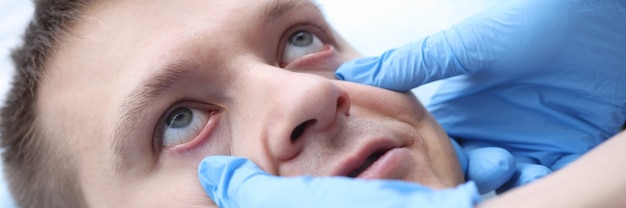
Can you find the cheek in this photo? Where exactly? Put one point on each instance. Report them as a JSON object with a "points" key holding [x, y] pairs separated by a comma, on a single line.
{"points": [[405, 106], [177, 188], [246, 139], [440, 153], [329, 74]]}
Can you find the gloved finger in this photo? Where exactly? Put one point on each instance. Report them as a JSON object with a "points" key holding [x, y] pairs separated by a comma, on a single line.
{"points": [[524, 174], [400, 69], [404, 68], [361, 70], [237, 182], [490, 167], [496, 39], [499, 37]]}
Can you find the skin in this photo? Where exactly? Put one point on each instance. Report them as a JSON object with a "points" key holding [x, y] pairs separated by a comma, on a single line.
{"points": [[235, 79]]}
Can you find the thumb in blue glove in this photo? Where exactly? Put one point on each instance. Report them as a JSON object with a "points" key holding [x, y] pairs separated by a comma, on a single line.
{"points": [[494, 168], [488, 167], [237, 182]]}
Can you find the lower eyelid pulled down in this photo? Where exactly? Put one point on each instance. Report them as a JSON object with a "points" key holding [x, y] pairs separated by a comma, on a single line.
{"points": [[184, 138], [293, 53], [322, 38], [173, 135]]}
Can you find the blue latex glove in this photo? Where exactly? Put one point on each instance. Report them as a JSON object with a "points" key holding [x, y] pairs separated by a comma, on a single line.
{"points": [[515, 35], [237, 182], [489, 168], [543, 79], [494, 168]]}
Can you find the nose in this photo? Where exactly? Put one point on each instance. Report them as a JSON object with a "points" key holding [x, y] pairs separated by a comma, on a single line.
{"points": [[306, 107]]}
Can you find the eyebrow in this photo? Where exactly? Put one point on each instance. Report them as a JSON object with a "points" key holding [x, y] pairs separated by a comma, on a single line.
{"points": [[134, 104], [278, 8]]}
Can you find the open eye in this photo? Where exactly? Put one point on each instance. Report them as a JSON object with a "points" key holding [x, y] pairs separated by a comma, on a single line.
{"points": [[183, 125], [299, 44]]}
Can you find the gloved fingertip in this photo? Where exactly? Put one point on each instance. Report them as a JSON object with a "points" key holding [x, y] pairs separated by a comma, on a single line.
{"points": [[493, 156], [214, 170], [233, 181], [208, 167], [359, 70], [490, 167], [220, 169], [339, 75]]}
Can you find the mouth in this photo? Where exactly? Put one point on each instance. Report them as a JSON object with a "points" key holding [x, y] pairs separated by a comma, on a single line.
{"points": [[375, 160], [368, 162]]}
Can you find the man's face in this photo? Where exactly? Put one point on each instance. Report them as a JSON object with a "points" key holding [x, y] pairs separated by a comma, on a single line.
{"points": [[143, 90]]}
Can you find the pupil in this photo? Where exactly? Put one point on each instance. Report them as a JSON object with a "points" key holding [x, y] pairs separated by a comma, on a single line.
{"points": [[180, 118], [301, 38]]}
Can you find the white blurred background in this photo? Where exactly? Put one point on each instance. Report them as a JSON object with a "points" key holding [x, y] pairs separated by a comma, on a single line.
{"points": [[371, 26]]}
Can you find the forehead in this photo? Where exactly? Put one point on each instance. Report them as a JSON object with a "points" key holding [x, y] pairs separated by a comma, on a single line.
{"points": [[138, 25], [121, 43]]}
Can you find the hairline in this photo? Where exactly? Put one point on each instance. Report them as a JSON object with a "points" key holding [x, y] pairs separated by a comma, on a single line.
{"points": [[39, 172]]}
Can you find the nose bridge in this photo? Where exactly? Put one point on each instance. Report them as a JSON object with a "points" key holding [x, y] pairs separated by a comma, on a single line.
{"points": [[303, 106]]}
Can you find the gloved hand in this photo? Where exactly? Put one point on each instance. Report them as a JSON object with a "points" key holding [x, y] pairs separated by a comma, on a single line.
{"points": [[514, 35], [494, 168], [237, 182], [488, 167], [572, 49]]}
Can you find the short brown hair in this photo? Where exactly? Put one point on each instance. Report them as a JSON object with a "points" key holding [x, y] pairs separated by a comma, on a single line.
{"points": [[37, 175]]}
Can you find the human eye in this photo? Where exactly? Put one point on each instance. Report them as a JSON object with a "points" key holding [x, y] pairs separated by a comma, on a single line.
{"points": [[300, 43], [182, 125]]}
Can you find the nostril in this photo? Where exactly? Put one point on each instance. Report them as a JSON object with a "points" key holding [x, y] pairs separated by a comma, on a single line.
{"points": [[340, 102], [299, 130], [343, 104]]}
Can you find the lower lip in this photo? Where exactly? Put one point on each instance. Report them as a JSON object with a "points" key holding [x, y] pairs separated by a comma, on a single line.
{"points": [[387, 165]]}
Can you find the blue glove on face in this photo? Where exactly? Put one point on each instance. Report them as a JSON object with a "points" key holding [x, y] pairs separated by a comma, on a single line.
{"points": [[237, 182], [542, 79]]}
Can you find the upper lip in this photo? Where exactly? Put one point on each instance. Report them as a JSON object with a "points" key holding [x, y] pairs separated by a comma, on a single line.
{"points": [[356, 160]]}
